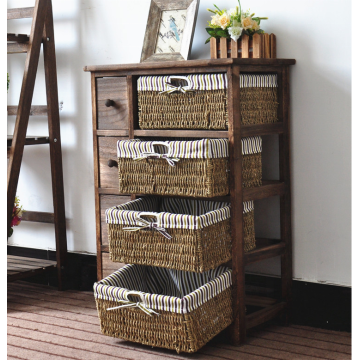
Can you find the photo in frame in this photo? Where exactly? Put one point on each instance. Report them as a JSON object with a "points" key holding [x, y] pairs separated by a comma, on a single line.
{"points": [[169, 30]]}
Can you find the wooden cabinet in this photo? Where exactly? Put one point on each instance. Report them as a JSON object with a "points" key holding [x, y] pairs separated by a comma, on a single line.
{"points": [[114, 101], [112, 115]]}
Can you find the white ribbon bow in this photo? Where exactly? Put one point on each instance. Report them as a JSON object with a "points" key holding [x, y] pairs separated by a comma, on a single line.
{"points": [[148, 225], [171, 88], [139, 305], [145, 155]]}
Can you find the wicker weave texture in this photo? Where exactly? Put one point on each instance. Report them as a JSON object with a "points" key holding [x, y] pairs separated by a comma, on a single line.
{"points": [[190, 177], [252, 170], [180, 332], [189, 250], [258, 105], [191, 110]]}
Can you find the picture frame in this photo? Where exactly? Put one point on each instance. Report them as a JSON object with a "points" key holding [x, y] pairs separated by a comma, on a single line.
{"points": [[170, 30]]}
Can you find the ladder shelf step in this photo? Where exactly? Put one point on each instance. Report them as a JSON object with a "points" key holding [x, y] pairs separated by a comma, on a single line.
{"points": [[36, 110], [30, 140], [38, 216], [259, 317], [17, 48], [19, 267], [20, 13], [20, 38]]}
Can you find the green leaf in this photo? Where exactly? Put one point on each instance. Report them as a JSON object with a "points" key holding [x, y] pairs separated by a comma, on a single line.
{"points": [[222, 33], [257, 20], [211, 31], [217, 8], [208, 40]]}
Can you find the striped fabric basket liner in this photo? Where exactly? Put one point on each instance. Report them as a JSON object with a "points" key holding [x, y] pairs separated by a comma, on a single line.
{"points": [[197, 168], [183, 102], [182, 234], [164, 308], [258, 99]]}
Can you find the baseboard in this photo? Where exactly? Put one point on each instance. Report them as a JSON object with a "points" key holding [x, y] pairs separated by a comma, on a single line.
{"points": [[317, 305]]}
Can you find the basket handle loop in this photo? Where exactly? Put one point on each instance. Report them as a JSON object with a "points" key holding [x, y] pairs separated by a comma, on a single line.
{"points": [[171, 88], [181, 78], [163, 143], [134, 293], [149, 213]]}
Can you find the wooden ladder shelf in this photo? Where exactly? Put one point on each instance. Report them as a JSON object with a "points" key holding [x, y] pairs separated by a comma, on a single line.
{"points": [[42, 32]]}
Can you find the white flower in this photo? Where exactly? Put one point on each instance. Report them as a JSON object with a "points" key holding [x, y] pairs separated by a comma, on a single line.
{"points": [[224, 20], [235, 32], [215, 20]]}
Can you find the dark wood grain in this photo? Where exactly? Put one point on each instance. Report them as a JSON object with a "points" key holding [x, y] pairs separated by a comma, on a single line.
{"points": [[119, 133], [21, 267], [285, 200], [189, 64], [266, 248], [96, 176], [268, 189], [133, 105], [112, 117], [36, 110], [26, 94], [263, 315], [21, 38], [55, 144], [106, 202], [108, 266], [260, 301], [235, 156], [264, 252], [30, 140], [38, 216], [20, 13], [108, 176]]}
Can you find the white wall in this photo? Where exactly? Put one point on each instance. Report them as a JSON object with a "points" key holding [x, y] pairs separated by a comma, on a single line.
{"points": [[89, 32]]}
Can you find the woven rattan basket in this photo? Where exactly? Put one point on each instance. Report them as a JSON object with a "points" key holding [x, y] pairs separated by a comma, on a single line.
{"points": [[194, 102], [182, 234], [258, 99], [189, 168], [164, 308]]}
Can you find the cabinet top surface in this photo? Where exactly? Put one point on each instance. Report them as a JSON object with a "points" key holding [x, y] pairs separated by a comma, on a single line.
{"points": [[190, 64]]}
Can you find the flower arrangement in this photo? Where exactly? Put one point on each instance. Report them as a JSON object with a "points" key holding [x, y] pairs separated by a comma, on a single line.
{"points": [[233, 23], [16, 216]]}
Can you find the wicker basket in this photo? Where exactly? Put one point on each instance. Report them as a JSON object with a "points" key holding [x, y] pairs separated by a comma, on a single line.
{"points": [[189, 235], [194, 102], [164, 308], [189, 168], [258, 99]]}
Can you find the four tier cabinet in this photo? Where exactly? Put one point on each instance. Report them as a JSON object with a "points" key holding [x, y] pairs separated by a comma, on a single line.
{"points": [[115, 115]]}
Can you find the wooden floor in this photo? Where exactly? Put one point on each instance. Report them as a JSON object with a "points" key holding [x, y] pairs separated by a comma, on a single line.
{"points": [[46, 324]]}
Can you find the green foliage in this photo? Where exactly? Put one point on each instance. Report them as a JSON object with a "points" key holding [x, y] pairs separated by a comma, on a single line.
{"points": [[208, 40], [217, 33]]}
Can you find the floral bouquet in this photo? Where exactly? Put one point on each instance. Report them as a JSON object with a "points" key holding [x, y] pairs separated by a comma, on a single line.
{"points": [[233, 23], [16, 216]]}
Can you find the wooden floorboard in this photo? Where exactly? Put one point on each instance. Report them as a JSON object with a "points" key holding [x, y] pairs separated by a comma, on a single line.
{"points": [[44, 323]]}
